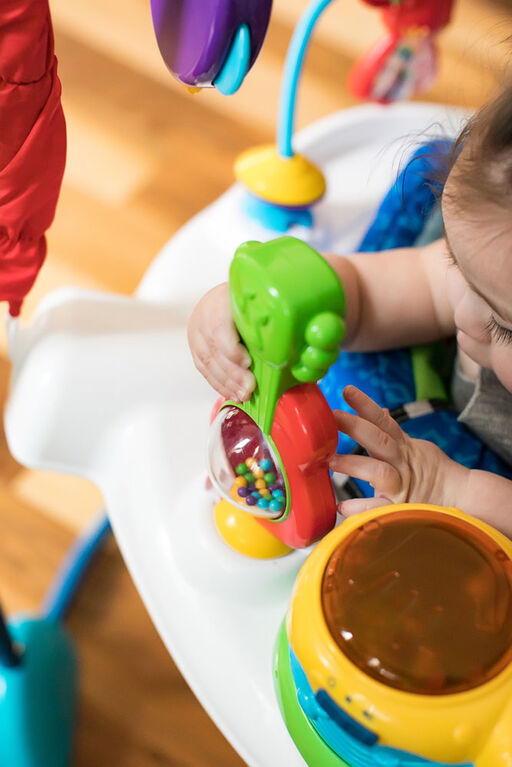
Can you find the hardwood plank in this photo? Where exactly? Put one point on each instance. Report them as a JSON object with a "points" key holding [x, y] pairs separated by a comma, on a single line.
{"points": [[149, 716], [31, 548], [69, 500]]}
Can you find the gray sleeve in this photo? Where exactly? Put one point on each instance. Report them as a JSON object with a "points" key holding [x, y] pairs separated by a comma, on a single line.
{"points": [[488, 413]]}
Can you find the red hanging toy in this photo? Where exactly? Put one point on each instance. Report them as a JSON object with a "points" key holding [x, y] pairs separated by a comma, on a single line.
{"points": [[405, 61], [32, 146]]}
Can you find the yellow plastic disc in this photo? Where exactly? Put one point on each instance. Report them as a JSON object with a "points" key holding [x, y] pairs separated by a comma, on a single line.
{"points": [[244, 534], [291, 181]]}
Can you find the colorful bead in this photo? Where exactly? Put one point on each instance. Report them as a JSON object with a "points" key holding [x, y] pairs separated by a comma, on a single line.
{"points": [[250, 462], [255, 494], [273, 487], [251, 487], [249, 477], [240, 482], [270, 477], [241, 468], [260, 483], [258, 473], [265, 464], [277, 493], [242, 492], [275, 505], [250, 500], [263, 503]]}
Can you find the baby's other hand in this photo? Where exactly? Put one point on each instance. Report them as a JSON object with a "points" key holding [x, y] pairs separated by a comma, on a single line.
{"points": [[216, 347], [399, 468]]}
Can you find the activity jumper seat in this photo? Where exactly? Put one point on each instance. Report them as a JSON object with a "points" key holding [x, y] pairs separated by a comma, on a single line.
{"points": [[387, 656]]}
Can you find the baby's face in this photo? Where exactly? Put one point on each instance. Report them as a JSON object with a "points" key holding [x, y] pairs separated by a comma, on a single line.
{"points": [[480, 284]]}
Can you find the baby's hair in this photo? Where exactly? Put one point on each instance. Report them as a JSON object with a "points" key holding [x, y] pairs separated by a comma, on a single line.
{"points": [[483, 156]]}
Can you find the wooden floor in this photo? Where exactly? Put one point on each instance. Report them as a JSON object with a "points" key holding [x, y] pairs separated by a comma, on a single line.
{"points": [[144, 156]]}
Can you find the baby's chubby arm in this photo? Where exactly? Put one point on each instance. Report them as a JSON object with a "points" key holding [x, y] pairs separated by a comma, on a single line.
{"points": [[488, 497], [393, 298], [402, 469]]}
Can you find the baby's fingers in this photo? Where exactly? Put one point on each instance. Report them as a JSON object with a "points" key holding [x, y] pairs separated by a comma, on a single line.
{"points": [[215, 321], [376, 441], [226, 338], [358, 505], [216, 377], [381, 475], [228, 378], [370, 411]]}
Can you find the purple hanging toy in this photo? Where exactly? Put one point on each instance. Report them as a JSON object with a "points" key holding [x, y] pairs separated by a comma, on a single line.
{"points": [[208, 42]]}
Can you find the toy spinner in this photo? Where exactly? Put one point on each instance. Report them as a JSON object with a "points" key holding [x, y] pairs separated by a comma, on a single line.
{"points": [[269, 456]]}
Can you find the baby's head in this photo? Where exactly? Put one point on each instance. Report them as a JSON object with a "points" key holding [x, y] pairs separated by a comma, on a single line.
{"points": [[477, 210]]}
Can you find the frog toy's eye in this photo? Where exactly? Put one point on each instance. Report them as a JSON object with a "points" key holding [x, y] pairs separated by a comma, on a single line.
{"points": [[207, 43]]}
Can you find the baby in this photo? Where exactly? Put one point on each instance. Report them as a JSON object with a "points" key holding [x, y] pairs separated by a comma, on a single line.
{"points": [[461, 284]]}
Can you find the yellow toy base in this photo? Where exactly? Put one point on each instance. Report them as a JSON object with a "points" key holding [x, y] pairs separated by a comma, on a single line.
{"points": [[243, 533], [290, 181]]}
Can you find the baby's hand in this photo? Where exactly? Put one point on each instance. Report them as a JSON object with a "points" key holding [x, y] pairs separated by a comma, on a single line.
{"points": [[400, 469], [216, 347]]}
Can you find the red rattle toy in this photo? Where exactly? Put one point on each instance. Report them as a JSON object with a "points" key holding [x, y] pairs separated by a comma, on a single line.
{"points": [[269, 456], [405, 61]]}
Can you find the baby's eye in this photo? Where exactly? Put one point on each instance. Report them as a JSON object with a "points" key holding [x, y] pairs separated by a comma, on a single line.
{"points": [[498, 333]]}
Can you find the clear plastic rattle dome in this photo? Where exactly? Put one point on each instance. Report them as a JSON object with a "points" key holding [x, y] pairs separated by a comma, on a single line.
{"points": [[243, 466]]}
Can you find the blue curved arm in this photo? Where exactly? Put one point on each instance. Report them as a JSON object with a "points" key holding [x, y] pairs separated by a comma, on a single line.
{"points": [[292, 69], [73, 568]]}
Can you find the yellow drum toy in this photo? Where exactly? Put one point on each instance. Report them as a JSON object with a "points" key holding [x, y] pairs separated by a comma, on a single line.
{"points": [[397, 648]]}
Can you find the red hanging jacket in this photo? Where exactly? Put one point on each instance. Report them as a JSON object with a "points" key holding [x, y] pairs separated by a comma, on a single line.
{"points": [[32, 143]]}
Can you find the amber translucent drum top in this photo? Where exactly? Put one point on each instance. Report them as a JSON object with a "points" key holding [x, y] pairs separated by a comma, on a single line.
{"points": [[421, 601]]}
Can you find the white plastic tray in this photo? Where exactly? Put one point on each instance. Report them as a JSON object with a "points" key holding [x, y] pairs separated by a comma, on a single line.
{"points": [[103, 386]]}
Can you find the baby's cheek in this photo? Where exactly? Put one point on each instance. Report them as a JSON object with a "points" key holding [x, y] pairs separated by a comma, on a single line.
{"points": [[465, 314], [501, 363], [472, 317], [477, 351], [455, 286]]}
